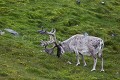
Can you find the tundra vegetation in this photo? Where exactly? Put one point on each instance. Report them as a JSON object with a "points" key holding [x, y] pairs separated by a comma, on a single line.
{"points": [[22, 58]]}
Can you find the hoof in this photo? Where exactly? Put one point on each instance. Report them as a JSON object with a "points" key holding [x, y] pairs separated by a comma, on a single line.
{"points": [[69, 62], [85, 65], [93, 69], [78, 64], [102, 70]]}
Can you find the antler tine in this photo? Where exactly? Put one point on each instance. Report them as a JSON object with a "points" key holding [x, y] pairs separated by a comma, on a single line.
{"points": [[43, 31], [52, 32], [49, 33]]}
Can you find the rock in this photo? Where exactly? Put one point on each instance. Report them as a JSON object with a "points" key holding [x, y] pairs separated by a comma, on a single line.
{"points": [[12, 32], [103, 2], [2, 33], [113, 34], [69, 62]]}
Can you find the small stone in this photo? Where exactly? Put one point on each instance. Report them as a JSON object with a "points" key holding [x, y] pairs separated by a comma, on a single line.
{"points": [[2, 33], [69, 62], [12, 32], [102, 2]]}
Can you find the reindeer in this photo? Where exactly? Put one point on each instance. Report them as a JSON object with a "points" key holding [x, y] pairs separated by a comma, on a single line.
{"points": [[80, 45]]}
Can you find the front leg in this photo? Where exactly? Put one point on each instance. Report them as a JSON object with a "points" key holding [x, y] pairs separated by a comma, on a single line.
{"points": [[83, 60], [77, 57]]}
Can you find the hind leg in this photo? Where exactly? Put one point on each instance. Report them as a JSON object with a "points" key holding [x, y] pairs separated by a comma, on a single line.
{"points": [[83, 59], [95, 59], [101, 57], [77, 57], [102, 65]]}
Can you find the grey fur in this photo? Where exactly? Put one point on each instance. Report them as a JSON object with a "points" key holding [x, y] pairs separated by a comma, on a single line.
{"points": [[84, 45]]}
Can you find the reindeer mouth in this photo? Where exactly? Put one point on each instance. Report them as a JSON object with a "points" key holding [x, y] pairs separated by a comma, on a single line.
{"points": [[49, 50]]}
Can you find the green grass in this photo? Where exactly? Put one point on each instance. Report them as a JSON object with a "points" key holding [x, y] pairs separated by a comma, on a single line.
{"points": [[21, 57]]}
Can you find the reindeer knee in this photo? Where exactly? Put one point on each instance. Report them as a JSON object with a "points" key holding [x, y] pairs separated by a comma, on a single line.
{"points": [[100, 56]]}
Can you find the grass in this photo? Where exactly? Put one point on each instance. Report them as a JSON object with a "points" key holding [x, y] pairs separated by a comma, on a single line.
{"points": [[21, 57]]}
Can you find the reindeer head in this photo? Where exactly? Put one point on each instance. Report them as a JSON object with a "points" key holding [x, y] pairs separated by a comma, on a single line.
{"points": [[52, 40]]}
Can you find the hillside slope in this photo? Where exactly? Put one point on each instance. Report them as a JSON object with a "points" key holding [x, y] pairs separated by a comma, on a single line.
{"points": [[21, 57]]}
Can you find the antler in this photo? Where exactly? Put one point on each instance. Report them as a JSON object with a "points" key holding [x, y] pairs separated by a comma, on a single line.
{"points": [[51, 34], [52, 40], [43, 31], [49, 50], [45, 43]]}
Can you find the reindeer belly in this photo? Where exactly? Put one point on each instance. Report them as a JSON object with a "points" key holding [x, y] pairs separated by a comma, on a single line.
{"points": [[84, 51]]}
